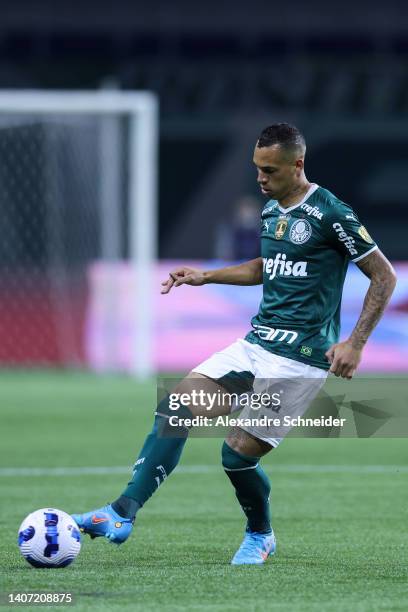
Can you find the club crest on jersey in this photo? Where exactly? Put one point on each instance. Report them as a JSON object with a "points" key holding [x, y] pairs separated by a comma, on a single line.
{"points": [[365, 235], [281, 226], [300, 231]]}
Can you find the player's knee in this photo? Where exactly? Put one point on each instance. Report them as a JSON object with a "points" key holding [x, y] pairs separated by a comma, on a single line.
{"points": [[232, 460]]}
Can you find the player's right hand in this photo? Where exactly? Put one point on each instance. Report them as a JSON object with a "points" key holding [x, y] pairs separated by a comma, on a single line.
{"points": [[183, 276]]}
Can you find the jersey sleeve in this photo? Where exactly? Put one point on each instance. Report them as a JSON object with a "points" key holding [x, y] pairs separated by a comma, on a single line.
{"points": [[347, 234]]}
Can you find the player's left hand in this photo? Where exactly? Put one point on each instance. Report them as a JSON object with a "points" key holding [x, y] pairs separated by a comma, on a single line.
{"points": [[344, 359]]}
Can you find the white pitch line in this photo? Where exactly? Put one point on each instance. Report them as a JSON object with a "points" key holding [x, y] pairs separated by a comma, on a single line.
{"points": [[206, 469]]}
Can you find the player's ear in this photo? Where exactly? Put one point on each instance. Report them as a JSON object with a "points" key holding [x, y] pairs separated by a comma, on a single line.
{"points": [[299, 165]]}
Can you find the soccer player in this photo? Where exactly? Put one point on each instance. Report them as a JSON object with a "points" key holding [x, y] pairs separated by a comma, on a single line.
{"points": [[308, 237]]}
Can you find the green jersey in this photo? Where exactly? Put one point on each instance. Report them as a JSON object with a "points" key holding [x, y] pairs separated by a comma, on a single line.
{"points": [[305, 250]]}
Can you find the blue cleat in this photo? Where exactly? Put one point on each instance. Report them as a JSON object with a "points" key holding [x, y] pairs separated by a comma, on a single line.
{"points": [[255, 548], [105, 522]]}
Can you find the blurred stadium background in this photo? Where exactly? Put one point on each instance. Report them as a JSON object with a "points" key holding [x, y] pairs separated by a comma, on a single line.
{"points": [[66, 254], [90, 224]]}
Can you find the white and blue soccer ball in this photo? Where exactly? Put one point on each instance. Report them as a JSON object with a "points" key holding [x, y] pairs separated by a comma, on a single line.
{"points": [[49, 538]]}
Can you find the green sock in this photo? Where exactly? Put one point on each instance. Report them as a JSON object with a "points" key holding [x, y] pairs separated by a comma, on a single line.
{"points": [[157, 459], [252, 487]]}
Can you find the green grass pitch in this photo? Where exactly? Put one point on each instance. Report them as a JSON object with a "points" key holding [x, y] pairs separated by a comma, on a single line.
{"points": [[341, 524]]}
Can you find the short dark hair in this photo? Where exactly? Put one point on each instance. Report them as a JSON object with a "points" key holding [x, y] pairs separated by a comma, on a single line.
{"points": [[284, 134]]}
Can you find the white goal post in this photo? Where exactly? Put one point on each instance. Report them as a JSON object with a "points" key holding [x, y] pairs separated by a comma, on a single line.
{"points": [[141, 110]]}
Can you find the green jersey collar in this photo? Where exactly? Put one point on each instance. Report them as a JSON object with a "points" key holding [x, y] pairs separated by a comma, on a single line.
{"points": [[307, 195]]}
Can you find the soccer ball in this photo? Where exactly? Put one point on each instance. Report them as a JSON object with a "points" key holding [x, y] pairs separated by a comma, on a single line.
{"points": [[49, 538]]}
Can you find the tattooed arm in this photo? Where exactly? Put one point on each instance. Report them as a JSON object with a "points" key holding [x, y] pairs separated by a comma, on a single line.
{"points": [[345, 356], [383, 279]]}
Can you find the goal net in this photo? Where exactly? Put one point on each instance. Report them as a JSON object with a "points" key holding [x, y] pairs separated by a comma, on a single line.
{"points": [[78, 176]]}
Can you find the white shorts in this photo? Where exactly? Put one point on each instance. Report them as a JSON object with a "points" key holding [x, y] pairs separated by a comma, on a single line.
{"points": [[250, 365]]}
